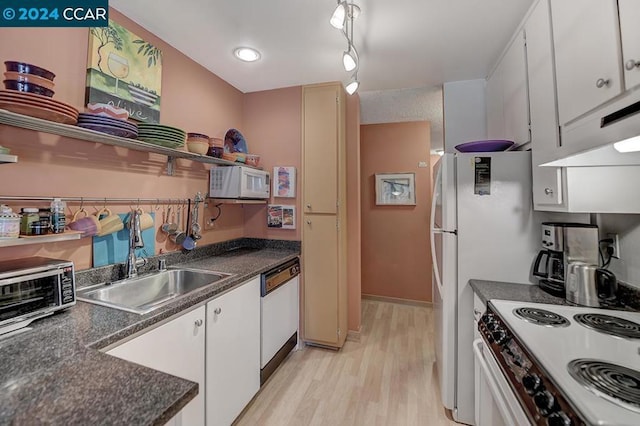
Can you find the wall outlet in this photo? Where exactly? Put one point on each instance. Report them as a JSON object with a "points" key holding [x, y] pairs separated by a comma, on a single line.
{"points": [[423, 164], [615, 244]]}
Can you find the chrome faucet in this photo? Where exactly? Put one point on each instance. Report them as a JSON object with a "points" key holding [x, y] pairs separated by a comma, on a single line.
{"points": [[135, 241]]}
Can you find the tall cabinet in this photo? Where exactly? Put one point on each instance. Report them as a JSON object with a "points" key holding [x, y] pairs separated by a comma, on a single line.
{"points": [[324, 232]]}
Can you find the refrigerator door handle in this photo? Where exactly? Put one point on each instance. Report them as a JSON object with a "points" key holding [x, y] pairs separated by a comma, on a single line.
{"points": [[434, 260]]}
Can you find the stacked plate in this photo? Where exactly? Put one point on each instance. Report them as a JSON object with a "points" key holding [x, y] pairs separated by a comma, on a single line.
{"points": [[108, 125], [38, 106], [167, 136]]}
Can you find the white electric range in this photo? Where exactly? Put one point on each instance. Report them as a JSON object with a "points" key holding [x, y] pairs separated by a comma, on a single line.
{"points": [[566, 365]]}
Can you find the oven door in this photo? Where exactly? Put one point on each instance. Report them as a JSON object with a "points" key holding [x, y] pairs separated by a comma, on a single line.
{"points": [[495, 402]]}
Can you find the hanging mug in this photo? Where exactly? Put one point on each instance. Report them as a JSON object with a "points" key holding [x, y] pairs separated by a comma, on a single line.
{"points": [[109, 222], [86, 223]]}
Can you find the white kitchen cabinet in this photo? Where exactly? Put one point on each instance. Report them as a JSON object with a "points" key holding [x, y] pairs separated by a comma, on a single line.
{"points": [[629, 11], [177, 348], [507, 102], [587, 54], [545, 137], [233, 352]]}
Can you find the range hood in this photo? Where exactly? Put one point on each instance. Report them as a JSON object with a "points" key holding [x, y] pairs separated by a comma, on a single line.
{"points": [[607, 137]]}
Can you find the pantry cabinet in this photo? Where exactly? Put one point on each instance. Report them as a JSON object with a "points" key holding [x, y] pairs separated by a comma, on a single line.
{"points": [[324, 244], [233, 352], [176, 347], [506, 91], [587, 54]]}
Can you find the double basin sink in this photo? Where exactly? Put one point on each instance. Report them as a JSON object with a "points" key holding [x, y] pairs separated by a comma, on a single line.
{"points": [[149, 292]]}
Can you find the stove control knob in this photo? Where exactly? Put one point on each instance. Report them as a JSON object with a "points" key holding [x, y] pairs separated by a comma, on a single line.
{"points": [[487, 318], [531, 383], [559, 419], [500, 337], [493, 326], [545, 402]]}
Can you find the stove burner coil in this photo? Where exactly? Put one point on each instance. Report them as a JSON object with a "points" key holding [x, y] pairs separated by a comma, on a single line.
{"points": [[609, 325], [541, 317], [615, 383]]}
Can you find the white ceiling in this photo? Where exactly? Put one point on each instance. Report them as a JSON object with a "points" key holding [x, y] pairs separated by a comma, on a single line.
{"points": [[401, 43]]}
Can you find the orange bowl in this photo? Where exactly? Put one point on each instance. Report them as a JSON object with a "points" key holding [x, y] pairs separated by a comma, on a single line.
{"points": [[29, 78]]}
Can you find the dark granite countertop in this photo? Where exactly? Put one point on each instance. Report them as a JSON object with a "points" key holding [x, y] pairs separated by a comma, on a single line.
{"points": [[628, 297], [488, 290], [55, 373]]}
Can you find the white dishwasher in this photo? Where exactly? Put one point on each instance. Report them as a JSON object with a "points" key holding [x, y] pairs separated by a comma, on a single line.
{"points": [[279, 309]]}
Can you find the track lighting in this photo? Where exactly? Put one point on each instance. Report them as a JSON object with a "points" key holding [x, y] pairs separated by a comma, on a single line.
{"points": [[342, 19], [353, 85], [350, 59], [339, 15]]}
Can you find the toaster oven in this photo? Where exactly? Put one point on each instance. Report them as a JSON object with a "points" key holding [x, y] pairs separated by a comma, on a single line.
{"points": [[32, 288]]}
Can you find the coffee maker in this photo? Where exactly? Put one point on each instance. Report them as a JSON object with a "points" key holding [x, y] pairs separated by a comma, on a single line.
{"points": [[564, 243]]}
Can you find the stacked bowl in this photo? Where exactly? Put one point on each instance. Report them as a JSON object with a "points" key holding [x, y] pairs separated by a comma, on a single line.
{"points": [[29, 91], [198, 143], [157, 134], [29, 78]]}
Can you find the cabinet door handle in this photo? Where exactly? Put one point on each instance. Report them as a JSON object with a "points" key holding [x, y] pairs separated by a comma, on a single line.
{"points": [[548, 191], [308, 222], [198, 323], [309, 206], [477, 312], [601, 82], [631, 64], [217, 311]]}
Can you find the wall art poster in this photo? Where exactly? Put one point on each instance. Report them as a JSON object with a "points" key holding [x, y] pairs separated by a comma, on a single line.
{"points": [[284, 182], [125, 71], [281, 217]]}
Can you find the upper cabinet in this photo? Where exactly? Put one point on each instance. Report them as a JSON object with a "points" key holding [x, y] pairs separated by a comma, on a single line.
{"points": [[507, 103], [545, 138], [630, 32], [321, 123], [587, 54]]}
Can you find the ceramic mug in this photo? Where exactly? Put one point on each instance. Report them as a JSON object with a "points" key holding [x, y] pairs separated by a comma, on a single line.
{"points": [[88, 224], [110, 223], [146, 220]]}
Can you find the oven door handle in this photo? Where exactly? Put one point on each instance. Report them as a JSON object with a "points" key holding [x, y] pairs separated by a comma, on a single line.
{"points": [[498, 397]]}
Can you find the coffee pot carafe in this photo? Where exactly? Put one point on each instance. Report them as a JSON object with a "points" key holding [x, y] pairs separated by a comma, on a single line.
{"points": [[563, 243], [588, 285]]}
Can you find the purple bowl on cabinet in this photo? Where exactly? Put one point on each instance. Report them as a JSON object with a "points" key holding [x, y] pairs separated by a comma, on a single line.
{"points": [[25, 68], [21, 86], [494, 145]]}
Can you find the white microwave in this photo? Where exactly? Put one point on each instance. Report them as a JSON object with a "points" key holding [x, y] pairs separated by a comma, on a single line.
{"points": [[239, 182]]}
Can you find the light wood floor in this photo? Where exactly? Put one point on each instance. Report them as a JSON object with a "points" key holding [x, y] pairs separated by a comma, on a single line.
{"points": [[387, 378]]}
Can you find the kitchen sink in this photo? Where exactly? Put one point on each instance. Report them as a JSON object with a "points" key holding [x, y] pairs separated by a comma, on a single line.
{"points": [[146, 293]]}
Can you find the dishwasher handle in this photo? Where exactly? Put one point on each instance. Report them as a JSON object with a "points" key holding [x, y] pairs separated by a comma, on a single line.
{"points": [[279, 275]]}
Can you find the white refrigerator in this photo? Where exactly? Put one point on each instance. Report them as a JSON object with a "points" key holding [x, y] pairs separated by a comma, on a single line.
{"points": [[483, 227]]}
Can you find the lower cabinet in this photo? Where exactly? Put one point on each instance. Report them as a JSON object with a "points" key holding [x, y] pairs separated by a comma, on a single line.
{"points": [[233, 352], [224, 338], [177, 348]]}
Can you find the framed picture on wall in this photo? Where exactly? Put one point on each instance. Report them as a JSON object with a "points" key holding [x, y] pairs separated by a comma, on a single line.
{"points": [[284, 182], [395, 189], [281, 217]]}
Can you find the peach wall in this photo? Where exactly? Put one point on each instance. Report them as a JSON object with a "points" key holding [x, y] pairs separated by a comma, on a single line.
{"points": [[274, 132], [396, 258], [353, 213], [192, 98]]}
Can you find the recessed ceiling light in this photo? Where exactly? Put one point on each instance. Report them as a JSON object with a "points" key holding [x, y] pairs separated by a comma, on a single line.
{"points": [[246, 54]]}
